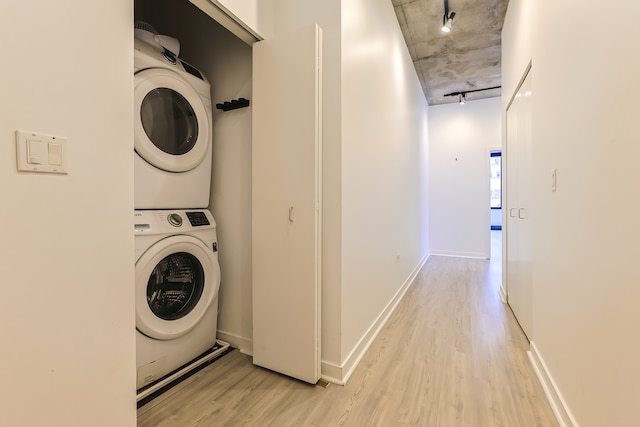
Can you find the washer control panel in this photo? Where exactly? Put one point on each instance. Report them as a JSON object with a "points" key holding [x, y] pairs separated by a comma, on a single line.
{"points": [[172, 221], [198, 219]]}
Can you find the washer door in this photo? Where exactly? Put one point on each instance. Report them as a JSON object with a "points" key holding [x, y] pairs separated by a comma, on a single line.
{"points": [[171, 128], [176, 281]]}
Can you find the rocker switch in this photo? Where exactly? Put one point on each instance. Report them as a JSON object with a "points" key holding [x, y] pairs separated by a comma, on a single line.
{"points": [[36, 152], [55, 154]]}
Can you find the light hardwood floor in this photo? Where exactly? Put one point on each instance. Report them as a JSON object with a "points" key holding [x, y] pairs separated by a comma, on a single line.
{"points": [[452, 354]]}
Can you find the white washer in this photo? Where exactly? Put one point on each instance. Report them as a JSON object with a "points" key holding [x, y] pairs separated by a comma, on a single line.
{"points": [[176, 290], [172, 128]]}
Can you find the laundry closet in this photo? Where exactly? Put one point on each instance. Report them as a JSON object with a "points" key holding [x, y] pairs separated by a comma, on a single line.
{"points": [[239, 206]]}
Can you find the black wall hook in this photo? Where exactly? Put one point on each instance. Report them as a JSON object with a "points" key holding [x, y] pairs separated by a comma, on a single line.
{"points": [[233, 104]]}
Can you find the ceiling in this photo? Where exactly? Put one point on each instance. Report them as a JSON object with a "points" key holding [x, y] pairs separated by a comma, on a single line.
{"points": [[466, 59]]}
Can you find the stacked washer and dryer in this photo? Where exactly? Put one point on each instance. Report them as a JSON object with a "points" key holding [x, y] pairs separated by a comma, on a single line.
{"points": [[176, 260]]}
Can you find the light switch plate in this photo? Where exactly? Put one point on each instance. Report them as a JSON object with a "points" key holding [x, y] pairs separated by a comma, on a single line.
{"points": [[40, 153]]}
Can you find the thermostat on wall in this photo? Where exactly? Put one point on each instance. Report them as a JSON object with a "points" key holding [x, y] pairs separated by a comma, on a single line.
{"points": [[36, 152]]}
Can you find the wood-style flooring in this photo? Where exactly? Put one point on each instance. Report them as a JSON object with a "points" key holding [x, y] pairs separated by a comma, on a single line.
{"points": [[452, 354]]}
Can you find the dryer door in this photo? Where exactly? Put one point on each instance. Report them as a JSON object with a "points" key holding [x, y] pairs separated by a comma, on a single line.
{"points": [[176, 280], [172, 130]]}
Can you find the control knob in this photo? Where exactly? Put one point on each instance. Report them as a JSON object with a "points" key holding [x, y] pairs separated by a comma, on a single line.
{"points": [[175, 219]]}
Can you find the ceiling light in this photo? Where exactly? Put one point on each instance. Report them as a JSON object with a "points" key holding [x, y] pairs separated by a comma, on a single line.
{"points": [[447, 20], [462, 96]]}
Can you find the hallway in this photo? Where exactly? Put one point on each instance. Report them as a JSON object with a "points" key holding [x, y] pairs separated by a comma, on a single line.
{"points": [[452, 354]]}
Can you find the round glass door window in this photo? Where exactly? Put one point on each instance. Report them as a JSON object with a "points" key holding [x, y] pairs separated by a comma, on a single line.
{"points": [[169, 121], [175, 286]]}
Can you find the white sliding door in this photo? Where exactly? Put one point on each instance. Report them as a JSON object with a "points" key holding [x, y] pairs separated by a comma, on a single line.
{"points": [[519, 209], [286, 200]]}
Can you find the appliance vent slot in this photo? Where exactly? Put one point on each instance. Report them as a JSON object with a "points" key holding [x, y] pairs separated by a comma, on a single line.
{"points": [[192, 70]]}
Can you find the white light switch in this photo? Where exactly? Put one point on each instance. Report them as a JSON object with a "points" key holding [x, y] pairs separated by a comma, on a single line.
{"points": [[55, 154], [37, 151], [41, 153], [554, 180]]}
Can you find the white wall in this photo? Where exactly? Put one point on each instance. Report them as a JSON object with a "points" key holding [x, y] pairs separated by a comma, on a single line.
{"points": [[460, 141], [384, 163], [230, 67], [585, 278], [67, 256]]}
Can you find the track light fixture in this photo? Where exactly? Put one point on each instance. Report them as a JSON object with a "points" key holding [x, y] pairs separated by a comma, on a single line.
{"points": [[462, 96], [447, 19]]}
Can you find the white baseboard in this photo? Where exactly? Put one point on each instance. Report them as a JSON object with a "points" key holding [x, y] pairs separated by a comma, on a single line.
{"points": [[332, 373], [340, 374], [503, 293], [245, 345], [557, 402], [455, 254]]}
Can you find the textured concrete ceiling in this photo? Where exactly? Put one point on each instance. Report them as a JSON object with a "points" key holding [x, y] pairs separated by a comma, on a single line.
{"points": [[466, 59]]}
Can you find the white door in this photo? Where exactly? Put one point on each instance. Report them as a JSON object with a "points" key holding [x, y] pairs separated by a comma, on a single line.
{"points": [[519, 212], [176, 281], [171, 127], [286, 203]]}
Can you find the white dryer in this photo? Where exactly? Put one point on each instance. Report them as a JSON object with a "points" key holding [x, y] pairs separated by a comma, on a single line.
{"points": [[176, 290], [172, 128]]}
